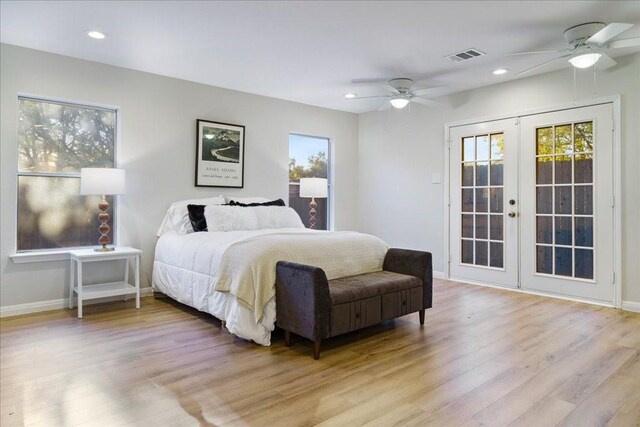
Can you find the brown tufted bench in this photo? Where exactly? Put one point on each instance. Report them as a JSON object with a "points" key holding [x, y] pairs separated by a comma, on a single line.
{"points": [[313, 307]]}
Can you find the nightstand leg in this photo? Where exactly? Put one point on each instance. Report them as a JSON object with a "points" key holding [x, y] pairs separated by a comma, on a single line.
{"points": [[72, 273], [137, 277], [79, 289], [126, 276]]}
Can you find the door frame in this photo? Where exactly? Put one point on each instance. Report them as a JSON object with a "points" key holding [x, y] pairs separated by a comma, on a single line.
{"points": [[617, 187]]}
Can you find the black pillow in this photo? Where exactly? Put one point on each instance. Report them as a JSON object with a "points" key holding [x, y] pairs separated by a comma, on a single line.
{"points": [[278, 202], [196, 216]]}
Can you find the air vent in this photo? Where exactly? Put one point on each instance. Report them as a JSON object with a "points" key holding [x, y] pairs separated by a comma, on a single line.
{"points": [[465, 55]]}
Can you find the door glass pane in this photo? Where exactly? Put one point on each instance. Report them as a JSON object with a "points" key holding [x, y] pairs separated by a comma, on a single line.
{"points": [[544, 141], [482, 252], [584, 263], [564, 261], [564, 140], [467, 226], [563, 199], [544, 229], [564, 230], [544, 259], [584, 231], [467, 174], [497, 146], [481, 227], [497, 171], [544, 200], [482, 147], [583, 136], [583, 168], [482, 199], [584, 200], [468, 149], [495, 227], [496, 203], [467, 200], [544, 170], [482, 173], [563, 169], [496, 254], [467, 252]]}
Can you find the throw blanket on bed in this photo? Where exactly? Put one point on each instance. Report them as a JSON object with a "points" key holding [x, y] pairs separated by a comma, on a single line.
{"points": [[247, 267]]}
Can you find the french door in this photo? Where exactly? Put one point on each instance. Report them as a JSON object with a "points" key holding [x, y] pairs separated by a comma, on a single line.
{"points": [[531, 203]]}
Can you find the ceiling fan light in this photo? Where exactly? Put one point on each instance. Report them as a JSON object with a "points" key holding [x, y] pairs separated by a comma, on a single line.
{"points": [[585, 60], [399, 103]]}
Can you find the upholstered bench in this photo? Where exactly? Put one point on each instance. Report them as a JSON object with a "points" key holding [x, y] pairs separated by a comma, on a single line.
{"points": [[313, 307]]}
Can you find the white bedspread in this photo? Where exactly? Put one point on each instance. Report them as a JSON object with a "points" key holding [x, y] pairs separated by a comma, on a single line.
{"points": [[231, 275]]}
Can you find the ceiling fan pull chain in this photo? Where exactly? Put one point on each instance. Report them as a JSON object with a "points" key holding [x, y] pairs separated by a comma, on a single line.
{"points": [[574, 85], [595, 83]]}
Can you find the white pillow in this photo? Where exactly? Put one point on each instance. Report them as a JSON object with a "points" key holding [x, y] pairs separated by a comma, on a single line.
{"points": [[230, 218], [177, 216], [247, 200], [270, 217], [238, 218]]}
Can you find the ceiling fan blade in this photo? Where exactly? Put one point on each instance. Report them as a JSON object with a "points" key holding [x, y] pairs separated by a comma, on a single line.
{"points": [[542, 65], [426, 89], [370, 81], [608, 32], [605, 62], [384, 107], [424, 101], [625, 43], [369, 97], [538, 51]]}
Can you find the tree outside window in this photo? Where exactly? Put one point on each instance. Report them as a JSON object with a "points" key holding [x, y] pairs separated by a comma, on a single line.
{"points": [[56, 140]]}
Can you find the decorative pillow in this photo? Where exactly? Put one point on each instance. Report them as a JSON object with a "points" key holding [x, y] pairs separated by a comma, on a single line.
{"points": [[230, 218], [196, 216], [177, 216], [247, 199], [270, 217], [278, 202]]}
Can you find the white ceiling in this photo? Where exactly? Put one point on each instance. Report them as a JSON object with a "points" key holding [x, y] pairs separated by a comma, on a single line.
{"points": [[310, 51]]}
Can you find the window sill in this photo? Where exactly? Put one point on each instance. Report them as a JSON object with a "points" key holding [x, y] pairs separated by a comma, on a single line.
{"points": [[44, 256]]}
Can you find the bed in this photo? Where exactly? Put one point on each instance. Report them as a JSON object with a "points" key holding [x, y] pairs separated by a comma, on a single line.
{"points": [[229, 270]]}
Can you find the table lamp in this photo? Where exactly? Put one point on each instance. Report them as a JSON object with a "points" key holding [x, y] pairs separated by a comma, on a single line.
{"points": [[102, 181], [313, 187]]}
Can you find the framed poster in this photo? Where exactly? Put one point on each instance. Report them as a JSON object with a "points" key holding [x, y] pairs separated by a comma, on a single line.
{"points": [[219, 154]]}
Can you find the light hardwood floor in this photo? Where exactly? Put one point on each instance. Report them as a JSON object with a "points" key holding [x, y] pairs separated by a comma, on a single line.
{"points": [[484, 357]]}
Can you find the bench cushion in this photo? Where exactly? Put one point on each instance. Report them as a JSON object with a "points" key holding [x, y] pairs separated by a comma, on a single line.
{"points": [[364, 286]]}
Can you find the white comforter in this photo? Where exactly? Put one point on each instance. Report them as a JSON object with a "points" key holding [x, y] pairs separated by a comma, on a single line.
{"points": [[231, 275]]}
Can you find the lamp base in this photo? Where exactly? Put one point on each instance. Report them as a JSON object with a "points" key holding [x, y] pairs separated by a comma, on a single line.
{"points": [[104, 249]]}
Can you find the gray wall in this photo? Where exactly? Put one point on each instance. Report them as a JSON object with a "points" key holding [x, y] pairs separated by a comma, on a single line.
{"points": [[399, 152], [157, 150]]}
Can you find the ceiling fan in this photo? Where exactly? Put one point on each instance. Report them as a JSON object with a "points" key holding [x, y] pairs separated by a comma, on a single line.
{"points": [[587, 43], [400, 93]]}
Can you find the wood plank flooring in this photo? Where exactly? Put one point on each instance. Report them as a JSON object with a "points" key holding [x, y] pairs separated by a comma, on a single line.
{"points": [[484, 357]]}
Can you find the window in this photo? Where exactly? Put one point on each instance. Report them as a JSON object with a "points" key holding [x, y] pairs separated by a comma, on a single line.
{"points": [[55, 140], [309, 158]]}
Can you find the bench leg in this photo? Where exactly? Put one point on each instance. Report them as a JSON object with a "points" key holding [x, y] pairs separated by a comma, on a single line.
{"points": [[421, 313], [287, 338], [316, 349]]}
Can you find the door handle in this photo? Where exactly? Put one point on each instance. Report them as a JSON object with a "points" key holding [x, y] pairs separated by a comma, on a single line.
{"points": [[512, 214]]}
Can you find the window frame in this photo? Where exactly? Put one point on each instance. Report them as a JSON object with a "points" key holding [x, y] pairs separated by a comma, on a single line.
{"points": [[56, 254], [329, 173]]}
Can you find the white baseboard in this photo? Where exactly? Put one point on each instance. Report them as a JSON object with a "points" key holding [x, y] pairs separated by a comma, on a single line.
{"points": [[56, 304], [631, 306], [438, 275]]}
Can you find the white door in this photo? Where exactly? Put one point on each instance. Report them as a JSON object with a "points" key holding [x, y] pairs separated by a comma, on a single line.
{"points": [[567, 203], [531, 203], [483, 180]]}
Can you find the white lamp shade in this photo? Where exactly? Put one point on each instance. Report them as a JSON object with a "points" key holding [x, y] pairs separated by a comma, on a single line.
{"points": [[399, 102], [313, 187], [585, 60], [107, 181]]}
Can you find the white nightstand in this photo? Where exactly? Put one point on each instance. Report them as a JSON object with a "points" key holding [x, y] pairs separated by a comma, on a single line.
{"points": [[102, 290]]}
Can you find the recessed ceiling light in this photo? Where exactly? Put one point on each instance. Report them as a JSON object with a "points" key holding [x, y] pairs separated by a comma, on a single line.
{"points": [[350, 95], [96, 34], [500, 71]]}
